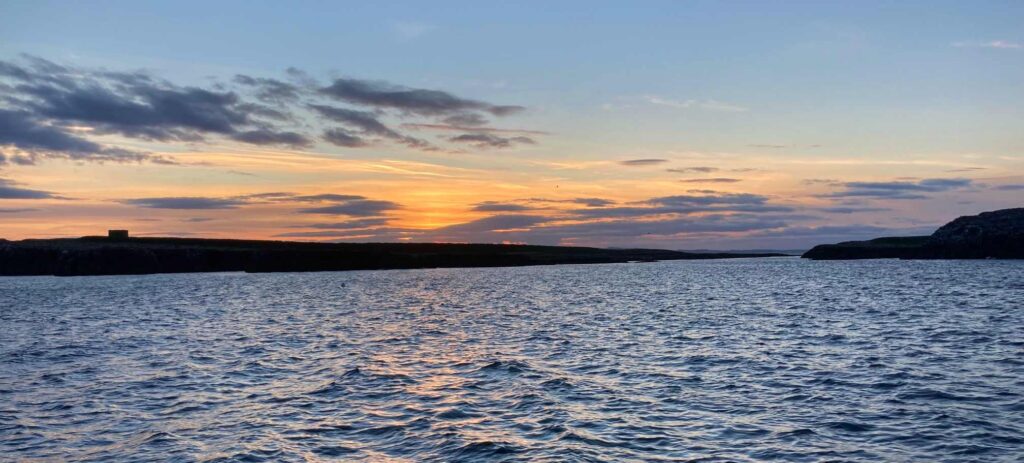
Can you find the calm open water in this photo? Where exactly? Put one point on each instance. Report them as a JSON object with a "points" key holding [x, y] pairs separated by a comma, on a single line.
{"points": [[740, 360]]}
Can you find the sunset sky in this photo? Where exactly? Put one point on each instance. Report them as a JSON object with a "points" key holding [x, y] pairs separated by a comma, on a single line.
{"points": [[683, 125]]}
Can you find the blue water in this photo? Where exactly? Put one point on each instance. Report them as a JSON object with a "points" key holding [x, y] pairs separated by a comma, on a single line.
{"points": [[741, 360]]}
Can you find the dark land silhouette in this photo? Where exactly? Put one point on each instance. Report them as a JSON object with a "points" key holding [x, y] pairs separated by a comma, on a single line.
{"points": [[118, 254], [989, 235]]}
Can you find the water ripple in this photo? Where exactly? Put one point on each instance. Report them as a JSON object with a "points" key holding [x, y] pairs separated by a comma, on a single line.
{"points": [[745, 360]]}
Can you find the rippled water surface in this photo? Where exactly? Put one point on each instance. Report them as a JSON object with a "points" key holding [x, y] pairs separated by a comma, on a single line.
{"points": [[741, 360]]}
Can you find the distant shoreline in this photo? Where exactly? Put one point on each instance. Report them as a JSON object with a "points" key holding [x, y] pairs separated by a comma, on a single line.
{"points": [[138, 256], [988, 235]]}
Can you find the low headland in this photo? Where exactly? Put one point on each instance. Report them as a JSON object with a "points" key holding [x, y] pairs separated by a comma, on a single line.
{"points": [[989, 235], [117, 254]]}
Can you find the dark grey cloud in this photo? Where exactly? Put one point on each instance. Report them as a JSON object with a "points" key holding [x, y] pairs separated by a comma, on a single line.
{"points": [[494, 206], [42, 102], [704, 200], [821, 181], [1011, 187], [355, 208], [367, 124], [342, 137], [198, 219], [21, 130], [10, 190], [545, 230], [900, 189], [712, 180], [379, 94], [967, 169], [686, 204], [495, 222], [134, 105], [270, 90], [852, 209], [593, 202], [269, 137], [16, 210], [185, 203], [642, 162], [472, 129], [589, 202], [320, 234], [487, 140], [326, 197], [465, 119], [368, 222], [690, 170]]}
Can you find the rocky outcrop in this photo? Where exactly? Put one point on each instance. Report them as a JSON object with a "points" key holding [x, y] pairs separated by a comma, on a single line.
{"points": [[103, 256], [989, 235]]}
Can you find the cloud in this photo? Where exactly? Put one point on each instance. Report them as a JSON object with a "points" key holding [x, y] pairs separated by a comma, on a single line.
{"points": [[712, 180], [465, 119], [493, 206], [543, 230], [270, 90], [9, 190], [16, 210], [367, 123], [967, 169], [342, 137], [55, 111], [821, 181], [384, 95], [325, 197], [710, 105], [494, 223], [471, 128], [589, 202], [899, 189], [21, 130], [642, 162], [997, 44], [688, 170], [409, 30], [486, 140], [355, 208], [185, 203], [852, 210], [1011, 187], [687, 204], [593, 202], [268, 137], [350, 224]]}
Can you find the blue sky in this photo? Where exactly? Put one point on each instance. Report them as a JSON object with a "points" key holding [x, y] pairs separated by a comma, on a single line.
{"points": [[783, 87]]}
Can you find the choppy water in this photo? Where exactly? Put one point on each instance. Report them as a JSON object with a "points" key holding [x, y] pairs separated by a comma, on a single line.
{"points": [[745, 360]]}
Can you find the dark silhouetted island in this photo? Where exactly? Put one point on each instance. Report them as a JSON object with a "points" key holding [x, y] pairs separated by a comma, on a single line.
{"points": [[120, 255], [989, 235]]}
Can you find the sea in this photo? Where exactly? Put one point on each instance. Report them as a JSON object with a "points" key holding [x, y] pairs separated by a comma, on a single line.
{"points": [[775, 359]]}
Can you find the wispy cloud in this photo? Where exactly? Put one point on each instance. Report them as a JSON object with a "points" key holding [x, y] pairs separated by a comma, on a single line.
{"points": [[997, 44], [409, 30], [10, 190], [710, 105], [642, 162], [697, 169], [712, 180], [899, 189]]}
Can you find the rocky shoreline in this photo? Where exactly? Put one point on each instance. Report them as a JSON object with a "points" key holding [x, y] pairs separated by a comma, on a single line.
{"points": [[989, 235]]}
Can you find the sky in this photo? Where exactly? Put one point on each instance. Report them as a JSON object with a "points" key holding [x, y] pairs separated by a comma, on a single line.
{"points": [[677, 125]]}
